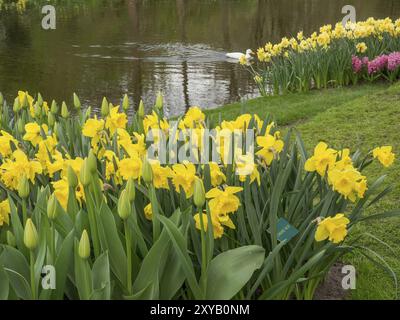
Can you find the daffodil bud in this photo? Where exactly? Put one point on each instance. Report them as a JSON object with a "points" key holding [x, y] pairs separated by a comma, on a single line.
{"points": [[72, 178], [105, 110], [125, 102], [43, 111], [17, 105], [50, 119], [25, 102], [199, 194], [130, 189], [11, 239], [124, 205], [23, 187], [159, 101], [31, 237], [24, 117], [84, 246], [88, 112], [77, 102], [39, 99], [92, 161], [52, 207], [85, 174], [37, 110], [54, 107], [64, 110], [55, 128], [1, 99], [20, 126], [147, 172], [141, 109]]}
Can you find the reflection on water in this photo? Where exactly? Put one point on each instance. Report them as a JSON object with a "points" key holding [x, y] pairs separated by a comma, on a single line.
{"points": [[108, 48]]}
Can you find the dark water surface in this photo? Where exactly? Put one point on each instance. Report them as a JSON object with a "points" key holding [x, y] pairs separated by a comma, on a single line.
{"points": [[108, 48]]}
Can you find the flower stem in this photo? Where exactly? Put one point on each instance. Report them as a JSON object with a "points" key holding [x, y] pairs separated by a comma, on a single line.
{"points": [[154, 205], [203, 247], [53, 243], [128, 257], [24, 211], [32, 270]]}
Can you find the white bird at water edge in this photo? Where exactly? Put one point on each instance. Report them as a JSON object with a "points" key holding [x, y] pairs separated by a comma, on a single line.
{"points": [[238, 55]]}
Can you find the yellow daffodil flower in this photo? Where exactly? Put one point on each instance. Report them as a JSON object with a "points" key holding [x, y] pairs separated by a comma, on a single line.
{"points": [[112, 165], [384, 155], [332, 228], [348, 182], [245, 166], [193, 118], [93, 129], [33, 132], [223, 202], [153, 122], [61, 191], [218, 229], [271, 147], [4, 212], [361, 47], [130, 168], [5, 140], [116, 120], [322, 159], [217, 176], [148, 212], [184, 175], [18, 166], [160, 175]]}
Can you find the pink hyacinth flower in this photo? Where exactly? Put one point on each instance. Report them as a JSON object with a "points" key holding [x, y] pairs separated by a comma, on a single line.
{"points": [[393, 61], [356, 63]]}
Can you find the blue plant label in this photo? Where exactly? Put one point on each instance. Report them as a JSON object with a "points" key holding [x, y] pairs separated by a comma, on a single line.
{"points": [[285, 230]]}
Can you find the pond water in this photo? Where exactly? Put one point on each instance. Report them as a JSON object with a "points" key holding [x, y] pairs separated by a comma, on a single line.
{"points": [[139, 47]]}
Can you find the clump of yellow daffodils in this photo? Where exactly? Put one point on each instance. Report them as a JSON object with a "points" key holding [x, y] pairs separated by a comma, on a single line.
{"points": [[321, 60], [341, 174], [91, 170], [362, 29]]}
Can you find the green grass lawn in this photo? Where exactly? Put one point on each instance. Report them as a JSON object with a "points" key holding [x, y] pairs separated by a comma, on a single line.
{"points": [[294, 108], [362, 118]]}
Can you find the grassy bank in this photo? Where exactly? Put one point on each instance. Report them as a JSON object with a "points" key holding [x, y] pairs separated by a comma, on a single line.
{"points": [[294, 108], [362, 117]]}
